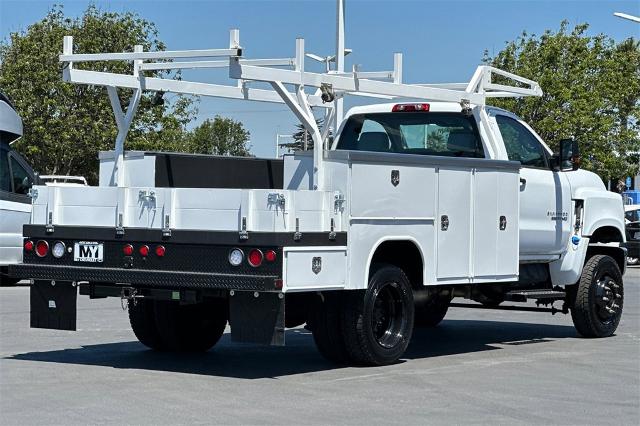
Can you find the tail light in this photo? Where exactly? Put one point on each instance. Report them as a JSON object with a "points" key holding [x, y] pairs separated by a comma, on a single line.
{"points": [[127, 250], [255, 258], [144, 251], [410, 108], [160, 251], [270, 256], [28, 245], [42, 248]]}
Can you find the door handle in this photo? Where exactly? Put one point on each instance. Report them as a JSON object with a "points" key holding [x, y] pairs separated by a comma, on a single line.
{"points": [[523, 181]]}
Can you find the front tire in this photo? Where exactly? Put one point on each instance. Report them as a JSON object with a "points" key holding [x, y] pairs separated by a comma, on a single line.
{"points": [[599, 298], [377, 323]]}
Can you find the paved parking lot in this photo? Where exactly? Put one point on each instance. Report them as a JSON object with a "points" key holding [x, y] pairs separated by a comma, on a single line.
{"points": [[477, 367]]}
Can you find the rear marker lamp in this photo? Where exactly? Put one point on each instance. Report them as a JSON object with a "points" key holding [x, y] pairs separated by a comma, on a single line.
{"points": [[410, 108], [236, 256], [255, 258], [58, 249], [42, 248], [160, 251], [270, 256], [28, 245], [127, 250], [144, 251]]}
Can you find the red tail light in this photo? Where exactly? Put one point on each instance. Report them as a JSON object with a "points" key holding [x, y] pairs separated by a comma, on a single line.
{"points": [[144, 251], [255, 258], [42, 248], [28, 245], [127, 250], [410, 108], [160, 250], [270, 256]]}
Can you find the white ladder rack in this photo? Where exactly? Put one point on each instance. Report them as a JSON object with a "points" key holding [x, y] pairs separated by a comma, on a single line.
{"points": [[330, 86]]}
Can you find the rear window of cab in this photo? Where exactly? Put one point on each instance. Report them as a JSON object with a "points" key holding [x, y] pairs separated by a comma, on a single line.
{"points": [[422, 133]]}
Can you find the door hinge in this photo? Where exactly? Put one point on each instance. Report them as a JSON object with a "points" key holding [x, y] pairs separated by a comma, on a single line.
{"points": [[297, 236], [49, 227]]}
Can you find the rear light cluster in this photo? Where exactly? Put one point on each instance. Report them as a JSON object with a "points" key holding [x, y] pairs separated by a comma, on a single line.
{"points": [[144, 250], [41, 248], [255, 257]]}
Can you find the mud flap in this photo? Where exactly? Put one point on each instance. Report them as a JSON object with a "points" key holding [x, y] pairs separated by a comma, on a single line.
{"points": [[53, 305], [257, 319]]}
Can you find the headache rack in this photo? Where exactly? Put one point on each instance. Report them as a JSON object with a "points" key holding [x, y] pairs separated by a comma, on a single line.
{"points": [[330, 87]]}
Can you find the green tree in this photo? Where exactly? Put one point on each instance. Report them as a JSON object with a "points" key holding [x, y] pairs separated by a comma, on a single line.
{"points": [[591, 90], [220, 136], [302, 138], [65, 125]]}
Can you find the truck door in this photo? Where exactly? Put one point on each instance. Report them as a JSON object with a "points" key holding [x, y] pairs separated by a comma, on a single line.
{"points": [[15, 204], [545, 195]]}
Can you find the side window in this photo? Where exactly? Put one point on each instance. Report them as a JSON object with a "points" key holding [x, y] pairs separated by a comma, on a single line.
{"points": [[5, 175], [22, 181], [520, 143]]}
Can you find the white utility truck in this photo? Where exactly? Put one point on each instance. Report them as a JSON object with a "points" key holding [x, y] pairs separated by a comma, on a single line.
{"points": [[414, 202]]}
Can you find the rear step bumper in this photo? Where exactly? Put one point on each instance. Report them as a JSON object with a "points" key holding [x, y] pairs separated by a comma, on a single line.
{"points": [[146, 278]]}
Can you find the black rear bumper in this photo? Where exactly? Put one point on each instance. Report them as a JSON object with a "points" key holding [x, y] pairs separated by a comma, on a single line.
{"points": [[147, 278]]}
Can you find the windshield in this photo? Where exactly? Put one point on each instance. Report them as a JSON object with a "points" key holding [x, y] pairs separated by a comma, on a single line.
{"points": [[422, 133]]}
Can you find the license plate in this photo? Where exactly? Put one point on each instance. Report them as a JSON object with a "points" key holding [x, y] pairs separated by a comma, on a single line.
{"points": [[88, 251]]}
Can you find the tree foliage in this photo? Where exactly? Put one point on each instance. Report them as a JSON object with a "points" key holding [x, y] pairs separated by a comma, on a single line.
{"points": [[65, 125], [302, 139], [220, 136], [591, 90]]}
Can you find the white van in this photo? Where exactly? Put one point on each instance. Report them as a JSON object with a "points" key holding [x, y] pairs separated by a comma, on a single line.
{"points": [[16, 178]]}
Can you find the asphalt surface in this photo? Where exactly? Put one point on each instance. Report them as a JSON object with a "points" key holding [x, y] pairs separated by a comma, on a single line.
{"points": [[477, 367]]}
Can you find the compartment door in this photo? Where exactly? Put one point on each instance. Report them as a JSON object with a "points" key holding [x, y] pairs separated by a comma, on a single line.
{"points": [[453, 224]]}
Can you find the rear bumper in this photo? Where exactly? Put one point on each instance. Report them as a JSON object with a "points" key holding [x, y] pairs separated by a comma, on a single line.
{"points": [[146, 278]]}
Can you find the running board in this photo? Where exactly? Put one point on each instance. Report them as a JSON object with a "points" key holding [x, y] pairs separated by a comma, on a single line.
{"points": [[552, 310], [524, 295]]}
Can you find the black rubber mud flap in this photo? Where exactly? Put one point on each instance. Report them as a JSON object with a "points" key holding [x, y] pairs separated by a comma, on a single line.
{"points": [[257, 319], [53, 306]]}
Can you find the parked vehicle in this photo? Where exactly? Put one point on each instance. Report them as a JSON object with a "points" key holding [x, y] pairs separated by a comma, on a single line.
{"points": [[632, 226], [16, 178], [413, 204]]}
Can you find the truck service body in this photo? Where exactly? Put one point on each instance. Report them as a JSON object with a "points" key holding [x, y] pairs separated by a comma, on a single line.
{"points": [[411, 204]]}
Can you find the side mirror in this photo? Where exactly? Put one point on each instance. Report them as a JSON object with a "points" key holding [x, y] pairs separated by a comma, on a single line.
{"points": [[569, 155]]}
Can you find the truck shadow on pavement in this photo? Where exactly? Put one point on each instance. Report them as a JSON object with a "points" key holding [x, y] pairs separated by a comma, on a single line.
{"points": [[229, 359]]}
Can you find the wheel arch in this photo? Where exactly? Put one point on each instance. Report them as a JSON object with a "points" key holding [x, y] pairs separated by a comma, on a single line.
{"points": [[404, 252]]}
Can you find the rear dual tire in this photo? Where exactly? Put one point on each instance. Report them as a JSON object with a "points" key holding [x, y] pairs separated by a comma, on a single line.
{"points": [[170, 326], [367, 327]]}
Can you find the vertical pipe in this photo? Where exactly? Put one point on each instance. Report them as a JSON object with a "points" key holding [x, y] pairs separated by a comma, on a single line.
{"points": [[397, 68], [339, 58]]}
